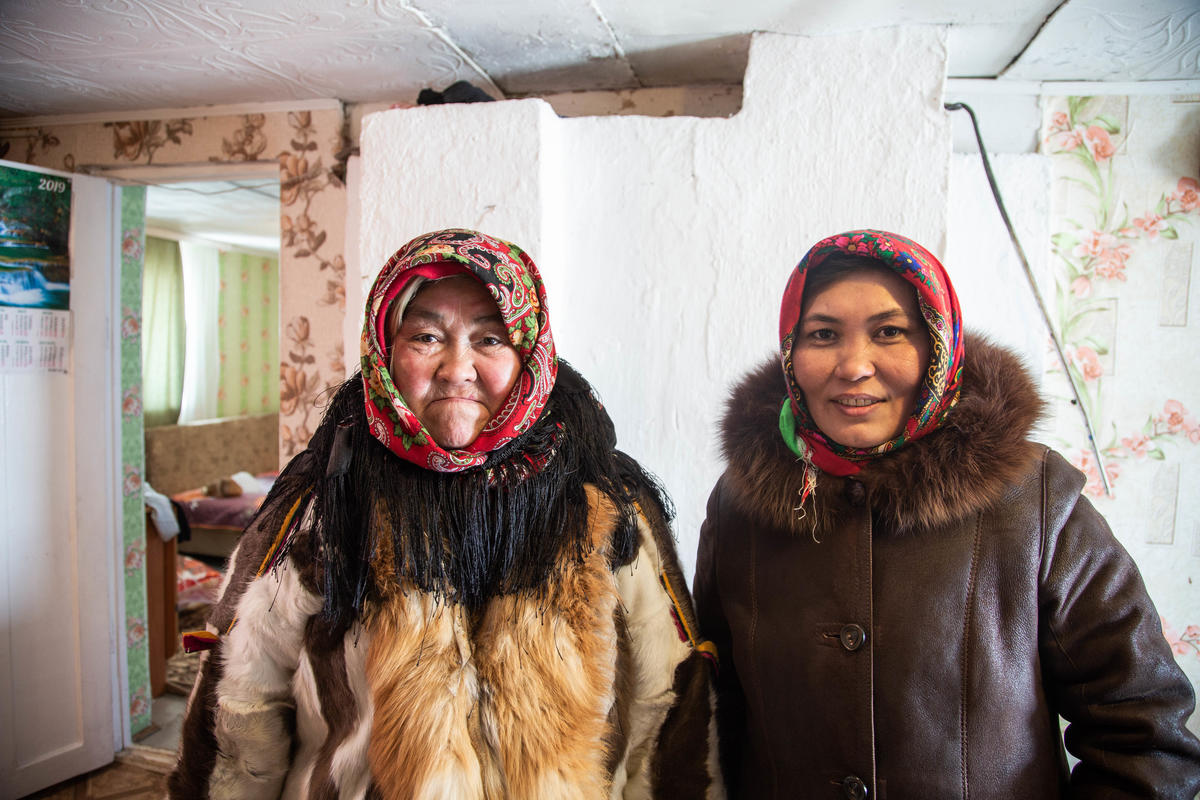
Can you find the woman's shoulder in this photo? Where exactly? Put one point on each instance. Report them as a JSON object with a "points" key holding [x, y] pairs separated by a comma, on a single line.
{"points": [[1051, 489], [281, 534], [976, 458], [762, 477]]}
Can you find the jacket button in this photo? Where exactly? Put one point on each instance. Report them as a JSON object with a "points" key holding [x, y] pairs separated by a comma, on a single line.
{"points": [[852, 637], [856, 493], [854, 788]]}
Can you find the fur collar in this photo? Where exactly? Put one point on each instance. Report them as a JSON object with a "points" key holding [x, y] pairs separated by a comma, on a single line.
{"points": [[965, 466]]}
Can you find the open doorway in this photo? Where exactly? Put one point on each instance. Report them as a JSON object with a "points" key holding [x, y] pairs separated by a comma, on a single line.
{"points": [[210, 366]]}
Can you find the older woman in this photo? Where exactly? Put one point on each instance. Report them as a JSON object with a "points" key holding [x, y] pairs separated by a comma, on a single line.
{"points": [[460, 589], [905, 591]]}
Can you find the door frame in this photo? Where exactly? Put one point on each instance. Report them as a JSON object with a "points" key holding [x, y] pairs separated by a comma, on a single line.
{"points": [[147, 175]]}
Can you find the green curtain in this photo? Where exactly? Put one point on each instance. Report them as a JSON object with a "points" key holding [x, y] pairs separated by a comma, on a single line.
{"points": [[162, 332], [248, 334]]}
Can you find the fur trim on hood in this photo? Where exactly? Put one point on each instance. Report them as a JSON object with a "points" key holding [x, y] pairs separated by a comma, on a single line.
{"points": [[963, 467]]}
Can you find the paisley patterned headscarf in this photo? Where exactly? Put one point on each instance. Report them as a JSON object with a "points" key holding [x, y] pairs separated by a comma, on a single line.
{"points": [[939, 308], [512, 279]]}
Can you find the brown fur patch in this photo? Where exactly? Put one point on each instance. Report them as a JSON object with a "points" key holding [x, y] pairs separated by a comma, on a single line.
{"points": [[683, 739], [550, 670], [198, 742], [965, 466], [516, 705], [618, 717], [423, 686], [327, 655]]}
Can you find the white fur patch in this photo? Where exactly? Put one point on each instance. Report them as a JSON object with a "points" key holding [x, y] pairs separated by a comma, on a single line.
{"points": [[260, 656], [656, 650]]}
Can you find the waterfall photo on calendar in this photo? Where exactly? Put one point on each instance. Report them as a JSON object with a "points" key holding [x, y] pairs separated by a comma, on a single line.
{"points": [[35, 223]]}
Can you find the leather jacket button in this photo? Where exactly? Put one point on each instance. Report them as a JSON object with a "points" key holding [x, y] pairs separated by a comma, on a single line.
{"points": [[852, 637], [853, 788], [856, 493]]}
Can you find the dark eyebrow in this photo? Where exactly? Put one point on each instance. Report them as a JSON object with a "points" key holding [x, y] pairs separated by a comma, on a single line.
{"points": [[491, 318], [891, 313], [432, 316], [422, 313]]}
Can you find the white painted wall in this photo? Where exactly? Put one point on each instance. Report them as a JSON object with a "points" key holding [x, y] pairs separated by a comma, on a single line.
{"points": [[994, 293], [666, 242]]}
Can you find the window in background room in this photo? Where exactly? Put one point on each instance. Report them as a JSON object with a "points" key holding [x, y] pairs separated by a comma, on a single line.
{"points": [[211, 301], [162, 332]]}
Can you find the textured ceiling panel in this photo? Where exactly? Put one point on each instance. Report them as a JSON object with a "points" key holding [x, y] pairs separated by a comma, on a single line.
{"points": [[111, 56], [667, 41], [83, 30], [1149, 40], [66, 56], [809, 17], [984, 50], [543, 46], [391, 65]]}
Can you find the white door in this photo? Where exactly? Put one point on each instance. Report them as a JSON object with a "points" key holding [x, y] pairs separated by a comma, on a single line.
{"points": [[59, 529]]}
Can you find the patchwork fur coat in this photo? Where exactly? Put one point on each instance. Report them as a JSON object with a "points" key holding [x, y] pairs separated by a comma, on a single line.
{"points": [[595, 689], [918, 630]]}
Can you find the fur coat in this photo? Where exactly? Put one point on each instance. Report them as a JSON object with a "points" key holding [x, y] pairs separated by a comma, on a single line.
{"points": [[596, 688], [917, 629]]}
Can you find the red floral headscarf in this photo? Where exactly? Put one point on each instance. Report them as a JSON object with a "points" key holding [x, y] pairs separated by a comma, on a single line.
{"points": [[512, 279], [939, 307]]}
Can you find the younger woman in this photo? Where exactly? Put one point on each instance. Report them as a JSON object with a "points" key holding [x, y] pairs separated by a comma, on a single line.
{"points": [[905, 591]]}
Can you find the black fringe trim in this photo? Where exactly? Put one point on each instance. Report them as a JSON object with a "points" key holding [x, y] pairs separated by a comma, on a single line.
{"points": [[469, 536]]}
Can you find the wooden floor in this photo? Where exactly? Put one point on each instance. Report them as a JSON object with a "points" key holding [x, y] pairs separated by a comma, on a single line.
{"points": [[137, 774]]}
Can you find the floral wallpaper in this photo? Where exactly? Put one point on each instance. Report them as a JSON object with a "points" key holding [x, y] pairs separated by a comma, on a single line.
{"points": [[306, 145], [133, 538], [313, 207], [1126, 220]]}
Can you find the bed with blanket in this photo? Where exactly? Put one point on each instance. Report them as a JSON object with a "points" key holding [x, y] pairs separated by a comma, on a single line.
{"points": [[196, 464]]}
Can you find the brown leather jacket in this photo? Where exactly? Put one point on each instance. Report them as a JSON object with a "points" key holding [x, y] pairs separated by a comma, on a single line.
{"points": [[918, 633]]}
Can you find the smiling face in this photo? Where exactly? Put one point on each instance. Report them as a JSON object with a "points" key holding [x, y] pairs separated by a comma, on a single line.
{"points": [[860, 356], [451, 359]]}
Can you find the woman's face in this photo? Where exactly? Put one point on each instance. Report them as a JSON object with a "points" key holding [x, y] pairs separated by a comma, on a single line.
{"points": [[451, 359], [860, 356]]}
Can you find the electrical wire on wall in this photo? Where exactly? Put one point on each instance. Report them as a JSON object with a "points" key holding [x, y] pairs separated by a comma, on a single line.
{"points": [[1077, 400]]}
